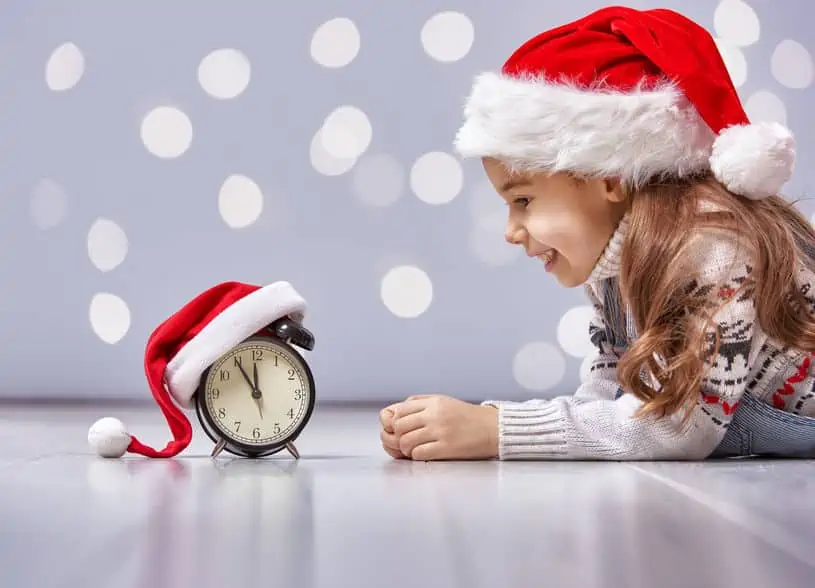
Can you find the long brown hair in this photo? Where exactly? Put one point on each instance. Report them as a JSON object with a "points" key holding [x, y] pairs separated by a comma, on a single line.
{"points": [[671, 347]]}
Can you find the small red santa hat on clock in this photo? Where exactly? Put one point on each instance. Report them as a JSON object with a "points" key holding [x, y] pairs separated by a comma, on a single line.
{"points": [[185, 345], [636, 95]]}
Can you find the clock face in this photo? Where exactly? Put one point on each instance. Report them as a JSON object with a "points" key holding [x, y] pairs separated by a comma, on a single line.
{"points": [[258, 393]]}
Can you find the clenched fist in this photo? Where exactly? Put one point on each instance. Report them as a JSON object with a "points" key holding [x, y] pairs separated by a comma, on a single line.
{"points": [[438, 427], [389, 441]]}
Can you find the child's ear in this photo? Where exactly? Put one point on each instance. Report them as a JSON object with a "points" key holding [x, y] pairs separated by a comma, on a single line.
{"points": [[615, 191]]}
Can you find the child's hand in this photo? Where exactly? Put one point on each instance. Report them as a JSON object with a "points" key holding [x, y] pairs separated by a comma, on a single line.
{"points": [[428, 428], [389, 441]]}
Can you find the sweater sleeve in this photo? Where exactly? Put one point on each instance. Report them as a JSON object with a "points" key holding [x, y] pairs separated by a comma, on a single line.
{"points": [[598, 424]]}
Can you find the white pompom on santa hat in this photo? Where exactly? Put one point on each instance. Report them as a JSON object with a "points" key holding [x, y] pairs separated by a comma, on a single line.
{"points": [[624, 93], [185, 345]]}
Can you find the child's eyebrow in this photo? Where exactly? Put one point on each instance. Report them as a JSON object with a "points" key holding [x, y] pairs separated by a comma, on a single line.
{"points": [[509, 184]]}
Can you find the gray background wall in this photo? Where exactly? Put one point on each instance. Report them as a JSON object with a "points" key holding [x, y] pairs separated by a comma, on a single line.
{"points": [[139, 168]]}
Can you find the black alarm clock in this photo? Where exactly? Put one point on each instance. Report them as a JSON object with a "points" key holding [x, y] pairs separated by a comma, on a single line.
{"points": [[258, 397]]}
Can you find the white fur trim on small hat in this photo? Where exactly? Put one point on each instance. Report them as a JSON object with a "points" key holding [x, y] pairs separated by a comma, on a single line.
{"points": [[242, 319], [537, 125]]}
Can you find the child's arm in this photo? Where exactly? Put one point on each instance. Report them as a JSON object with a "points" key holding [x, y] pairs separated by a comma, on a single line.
{"points": [[593, 425]]}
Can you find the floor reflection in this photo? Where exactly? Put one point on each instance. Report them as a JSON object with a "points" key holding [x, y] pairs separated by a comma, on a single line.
{"points": [[347, 515]]}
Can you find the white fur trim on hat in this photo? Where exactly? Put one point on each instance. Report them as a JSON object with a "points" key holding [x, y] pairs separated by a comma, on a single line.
{"points": [[242, 319], [532, 124], [754, 160]]}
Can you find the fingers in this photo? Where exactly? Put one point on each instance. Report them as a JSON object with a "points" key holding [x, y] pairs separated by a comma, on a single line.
{"points": [[426, 396], [428, 451], [411, 404], [386, 418], [394, 453], [419, 397], [408, 407], [391, 445], [406, 424], [409, 441], [402, 427]]}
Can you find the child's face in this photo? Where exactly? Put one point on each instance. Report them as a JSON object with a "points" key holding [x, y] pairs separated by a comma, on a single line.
{"points": [[564, 223]]}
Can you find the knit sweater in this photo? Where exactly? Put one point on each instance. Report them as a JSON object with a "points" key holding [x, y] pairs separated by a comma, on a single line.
{"points": [[598, 422]]}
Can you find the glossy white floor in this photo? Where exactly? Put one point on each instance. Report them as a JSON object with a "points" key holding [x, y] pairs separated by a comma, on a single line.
{"points": [[346, 515]]}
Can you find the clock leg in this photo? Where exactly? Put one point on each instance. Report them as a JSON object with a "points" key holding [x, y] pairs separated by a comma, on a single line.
{"points": [[218, 448], [293, 450]]}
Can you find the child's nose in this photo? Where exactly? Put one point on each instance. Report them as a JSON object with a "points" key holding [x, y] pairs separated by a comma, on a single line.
{"points": [[513, 235]]}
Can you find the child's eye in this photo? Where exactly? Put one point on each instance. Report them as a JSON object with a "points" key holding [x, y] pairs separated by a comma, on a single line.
{"points": [[521, 201]]}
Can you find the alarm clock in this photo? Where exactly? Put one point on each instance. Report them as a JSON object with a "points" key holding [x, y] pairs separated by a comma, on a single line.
{"points": [[257, 397]]}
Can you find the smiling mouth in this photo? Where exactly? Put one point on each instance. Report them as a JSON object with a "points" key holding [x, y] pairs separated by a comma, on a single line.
{"points": [[548, 258]]}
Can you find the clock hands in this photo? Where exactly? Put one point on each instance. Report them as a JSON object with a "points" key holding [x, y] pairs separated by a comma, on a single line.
{"points": [[246, 377], [255, 390]]}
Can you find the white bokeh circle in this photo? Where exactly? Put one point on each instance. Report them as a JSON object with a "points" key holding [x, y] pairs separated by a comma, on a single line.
{"points": [[406, 291], [346, 133], [64, 68], [736, 22], [447, 36], [734, 60], [436, 177], [791, 65], [538, 366], [240, 201], [107, 244], [335, 43], [325, 163], [378, 180], [49, 204], [224, 73], [166, 132], [763, 105], [109, 316], [573, 331]]}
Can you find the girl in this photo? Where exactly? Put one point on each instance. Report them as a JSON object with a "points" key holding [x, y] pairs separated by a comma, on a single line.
{"points": [[631, 169]]}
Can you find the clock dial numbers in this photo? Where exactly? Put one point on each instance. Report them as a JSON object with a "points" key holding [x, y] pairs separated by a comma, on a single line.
{"points": [[258, 393]]}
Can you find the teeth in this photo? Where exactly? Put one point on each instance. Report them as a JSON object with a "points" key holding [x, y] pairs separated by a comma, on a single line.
{"points": [[547, 257]]}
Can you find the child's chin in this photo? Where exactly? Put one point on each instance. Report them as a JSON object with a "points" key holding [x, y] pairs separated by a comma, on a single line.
{"points": [[567, 278]]}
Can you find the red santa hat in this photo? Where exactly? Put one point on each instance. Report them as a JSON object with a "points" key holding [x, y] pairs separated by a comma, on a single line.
{"points": [[185, 345], [629, 94]]}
